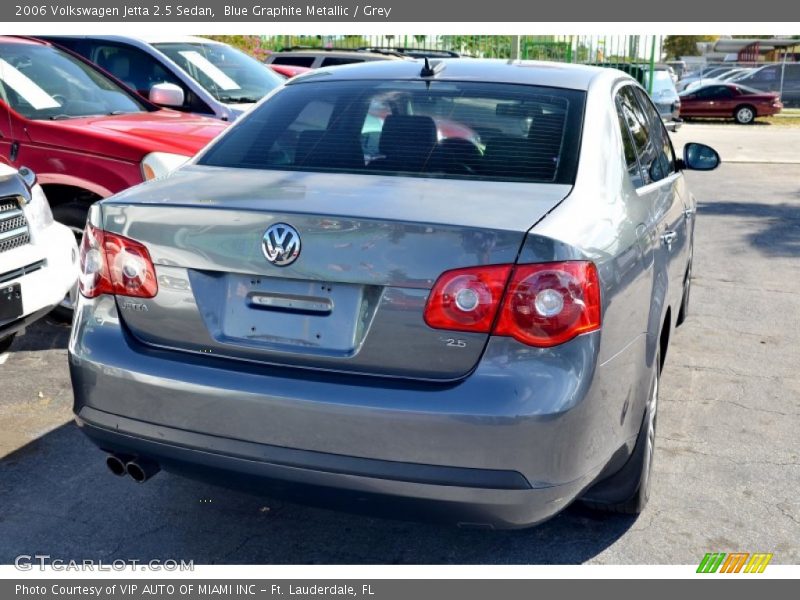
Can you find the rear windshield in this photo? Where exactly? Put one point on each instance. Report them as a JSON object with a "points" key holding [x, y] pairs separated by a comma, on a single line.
{"points": [[464, 130]]}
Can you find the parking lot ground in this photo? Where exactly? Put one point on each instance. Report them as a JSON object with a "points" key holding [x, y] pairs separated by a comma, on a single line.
{"points": [[765, 141], [727, 464]]}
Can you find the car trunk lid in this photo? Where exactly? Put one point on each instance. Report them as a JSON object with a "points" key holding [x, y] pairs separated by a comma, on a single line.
{"points": [[353, 300]]}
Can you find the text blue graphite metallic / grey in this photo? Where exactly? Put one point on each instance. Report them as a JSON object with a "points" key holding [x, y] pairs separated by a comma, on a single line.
{"points": [[447, 285]]}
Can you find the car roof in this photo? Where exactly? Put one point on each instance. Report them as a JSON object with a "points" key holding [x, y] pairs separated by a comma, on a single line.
{"points": [[176, 39], [333, 52], [13, 39], [143, 39], [549, 74]]}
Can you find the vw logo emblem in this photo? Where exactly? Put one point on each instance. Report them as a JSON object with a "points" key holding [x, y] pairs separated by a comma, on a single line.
{"points": [[281, 244]]}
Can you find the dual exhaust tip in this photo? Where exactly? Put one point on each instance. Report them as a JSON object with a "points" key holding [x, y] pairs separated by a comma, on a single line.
{"points": [[139, 469]]}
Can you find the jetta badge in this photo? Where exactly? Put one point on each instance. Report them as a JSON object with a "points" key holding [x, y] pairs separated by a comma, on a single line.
{"points": [[281, 244]]}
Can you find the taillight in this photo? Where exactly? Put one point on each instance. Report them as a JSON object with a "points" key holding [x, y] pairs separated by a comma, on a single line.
{"points": [[467, 299], [544, 304], [550, 303], [114, 264]]}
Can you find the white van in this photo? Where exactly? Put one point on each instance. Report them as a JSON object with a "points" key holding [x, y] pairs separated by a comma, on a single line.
{"points": [[38, 257]]}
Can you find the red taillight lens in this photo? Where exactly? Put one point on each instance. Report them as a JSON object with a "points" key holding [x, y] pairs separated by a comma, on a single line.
{"points": [[467, 299], [114, 264], [550, 303]]}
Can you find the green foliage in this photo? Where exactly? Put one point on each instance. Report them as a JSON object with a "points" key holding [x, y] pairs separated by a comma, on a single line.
{"points": [[250, 44], [676, 46]]}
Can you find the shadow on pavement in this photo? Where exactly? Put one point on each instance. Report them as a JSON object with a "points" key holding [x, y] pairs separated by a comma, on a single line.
{"points": [[57, 498], [45, 334], [780, 233]]}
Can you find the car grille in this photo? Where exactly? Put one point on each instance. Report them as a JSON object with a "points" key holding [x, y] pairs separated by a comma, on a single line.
{"points": [[14, 230]]}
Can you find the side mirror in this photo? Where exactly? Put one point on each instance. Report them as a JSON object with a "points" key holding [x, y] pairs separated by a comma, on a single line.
{"points": [[699, 157], [28, 176], [166, 94]]}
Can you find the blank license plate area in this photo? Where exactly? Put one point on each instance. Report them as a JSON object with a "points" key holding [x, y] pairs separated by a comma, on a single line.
{"points": [[292, 314], [10, 302]]}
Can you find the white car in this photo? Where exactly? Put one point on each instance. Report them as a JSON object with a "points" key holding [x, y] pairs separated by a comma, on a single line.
{"points": [[38, 257], [729, 76]]}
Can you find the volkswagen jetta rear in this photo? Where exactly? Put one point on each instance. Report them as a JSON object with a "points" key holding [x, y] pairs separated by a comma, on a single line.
{"points": [[314, 303]]}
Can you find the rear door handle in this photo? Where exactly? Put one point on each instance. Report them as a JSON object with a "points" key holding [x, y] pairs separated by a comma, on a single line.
{"points": [[688, 213], [669, 237]]}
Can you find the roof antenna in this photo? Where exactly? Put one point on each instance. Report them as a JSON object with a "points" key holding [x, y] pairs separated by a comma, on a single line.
{"points": [[431, 69]]}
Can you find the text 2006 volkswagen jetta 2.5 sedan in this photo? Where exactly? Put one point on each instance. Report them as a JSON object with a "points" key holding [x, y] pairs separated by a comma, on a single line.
{"points": [[450, 285]]}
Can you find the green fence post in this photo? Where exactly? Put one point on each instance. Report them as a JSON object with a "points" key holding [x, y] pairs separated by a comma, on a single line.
{"points": [[652, 65]]}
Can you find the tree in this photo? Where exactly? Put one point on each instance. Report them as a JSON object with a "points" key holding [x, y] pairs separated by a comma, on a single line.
{"points": [[480, 46], [250, 44], [676, 46]]}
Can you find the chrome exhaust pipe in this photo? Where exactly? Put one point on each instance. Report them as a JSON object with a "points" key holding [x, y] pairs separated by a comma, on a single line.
{"points": [[141, 469], [116, 464]]}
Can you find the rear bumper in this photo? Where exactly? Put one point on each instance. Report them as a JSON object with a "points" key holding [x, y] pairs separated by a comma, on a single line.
{"points": [[472, 497], [510, 445]]}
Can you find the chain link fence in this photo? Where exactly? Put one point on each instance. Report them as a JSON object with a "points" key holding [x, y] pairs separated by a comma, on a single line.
{"points": [[635, 54]]}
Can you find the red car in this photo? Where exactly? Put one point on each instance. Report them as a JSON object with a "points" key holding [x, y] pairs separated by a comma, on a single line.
{"points": [[731, 101], [84, 134]]}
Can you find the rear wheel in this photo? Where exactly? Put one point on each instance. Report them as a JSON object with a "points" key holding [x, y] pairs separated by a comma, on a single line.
{"points": [[628, 490], [74, 217], [5, 343], [745, 115]]}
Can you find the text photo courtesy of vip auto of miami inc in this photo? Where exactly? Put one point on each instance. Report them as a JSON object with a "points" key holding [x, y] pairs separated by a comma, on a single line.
{"points": [[269, 297]]}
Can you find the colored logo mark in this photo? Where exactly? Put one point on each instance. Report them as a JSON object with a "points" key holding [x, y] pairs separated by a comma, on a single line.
{"points": [[735, 562]]}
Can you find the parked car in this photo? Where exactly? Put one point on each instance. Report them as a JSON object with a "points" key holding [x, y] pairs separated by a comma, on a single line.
{"points": [[206, 77], [782, 78], [731, 101], [314, 58], [482, 340], [678, 67], [702, 73], [38, 257], [84, 134], [288, 71], [665, 95], [731, 75], [412, 52]]}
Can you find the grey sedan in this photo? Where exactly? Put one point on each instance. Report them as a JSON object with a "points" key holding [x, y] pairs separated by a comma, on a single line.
{"points": [[450, 286]]}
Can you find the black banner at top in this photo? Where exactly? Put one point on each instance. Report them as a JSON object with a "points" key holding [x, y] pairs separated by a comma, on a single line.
{"points": [[389, 11]]}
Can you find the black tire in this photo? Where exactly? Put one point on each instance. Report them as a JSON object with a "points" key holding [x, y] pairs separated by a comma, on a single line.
{"points": [[5, 343], [628, 490], [745, 114], [74, 217], [687, 289]]}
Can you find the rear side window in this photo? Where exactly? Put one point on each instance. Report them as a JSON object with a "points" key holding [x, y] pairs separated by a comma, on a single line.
{"points": [[631, 161], [294, 61], [469, 130], [652, 144], [663, 164], [335, 61]]}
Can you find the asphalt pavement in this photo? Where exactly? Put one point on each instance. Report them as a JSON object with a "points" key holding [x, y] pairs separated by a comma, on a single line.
{"points": [[727, 466]]}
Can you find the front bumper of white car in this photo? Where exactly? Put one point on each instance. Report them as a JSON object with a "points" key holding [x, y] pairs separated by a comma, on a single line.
{"points": [[44, 269]]}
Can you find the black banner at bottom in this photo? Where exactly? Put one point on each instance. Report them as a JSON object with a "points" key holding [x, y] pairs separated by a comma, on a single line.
{"points": [[387, 589]]}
